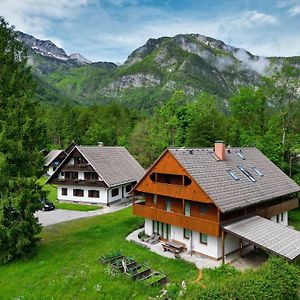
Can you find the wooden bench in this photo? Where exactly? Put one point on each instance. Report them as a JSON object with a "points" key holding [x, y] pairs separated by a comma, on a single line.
{"points": [[173, 247]]}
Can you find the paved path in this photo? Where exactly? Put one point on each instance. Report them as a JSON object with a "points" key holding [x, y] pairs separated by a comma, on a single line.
{"points": [[62, 215]]}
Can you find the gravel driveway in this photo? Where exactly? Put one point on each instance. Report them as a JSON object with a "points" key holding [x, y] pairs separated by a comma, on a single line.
{"points": [[62, 215]]}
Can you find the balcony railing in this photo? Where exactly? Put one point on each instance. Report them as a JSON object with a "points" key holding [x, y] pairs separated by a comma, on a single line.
{"points": [[191, 223], [77, 167], [80, 182]]}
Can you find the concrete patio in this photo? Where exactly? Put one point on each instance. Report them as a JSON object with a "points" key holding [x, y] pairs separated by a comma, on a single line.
{"points": [[251, 260]]}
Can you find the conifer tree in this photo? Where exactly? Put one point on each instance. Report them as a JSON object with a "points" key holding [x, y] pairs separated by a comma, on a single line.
{"points": [[20, 160]]}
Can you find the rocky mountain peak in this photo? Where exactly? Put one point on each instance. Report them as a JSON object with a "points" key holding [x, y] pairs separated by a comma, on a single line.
{"points": [[47, 48], [81, 59]]}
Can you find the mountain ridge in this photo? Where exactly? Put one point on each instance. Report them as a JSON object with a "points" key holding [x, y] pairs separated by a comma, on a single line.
{"points": [[193, 63]]}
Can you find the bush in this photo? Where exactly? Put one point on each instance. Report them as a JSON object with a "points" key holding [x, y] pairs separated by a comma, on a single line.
{"points": [[276, 279]]}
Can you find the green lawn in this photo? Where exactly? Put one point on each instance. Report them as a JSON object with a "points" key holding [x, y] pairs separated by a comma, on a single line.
{"points": [[66, 267], [294, 218], [52, 196]]}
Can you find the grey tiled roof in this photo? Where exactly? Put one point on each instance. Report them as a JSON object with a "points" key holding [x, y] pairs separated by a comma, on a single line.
{"points": [[272, 236], [230, 194], [51, 156], [114, 164]]}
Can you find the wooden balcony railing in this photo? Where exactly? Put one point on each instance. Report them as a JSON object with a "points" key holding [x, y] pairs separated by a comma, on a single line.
{"points": [[276, 209], [79, 182], [77, 167], [191, 223]]}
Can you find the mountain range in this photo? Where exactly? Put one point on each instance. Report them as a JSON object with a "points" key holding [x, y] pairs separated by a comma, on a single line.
{"points": [[193, 63]]}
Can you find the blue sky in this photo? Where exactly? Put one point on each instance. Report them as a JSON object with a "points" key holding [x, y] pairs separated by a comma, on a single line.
{"points": [[109, 30]]}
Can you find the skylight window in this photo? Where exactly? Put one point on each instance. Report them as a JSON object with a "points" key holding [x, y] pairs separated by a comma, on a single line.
{"points": [[233, 175], [258, 172], [240, 155], [247, 173]]}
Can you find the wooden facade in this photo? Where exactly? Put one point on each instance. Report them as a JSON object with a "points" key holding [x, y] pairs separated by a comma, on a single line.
{"points": [[168, 181], [168, 165]]}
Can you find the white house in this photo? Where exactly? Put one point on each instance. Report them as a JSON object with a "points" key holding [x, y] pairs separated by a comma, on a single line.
{"points": [[96, 175]]}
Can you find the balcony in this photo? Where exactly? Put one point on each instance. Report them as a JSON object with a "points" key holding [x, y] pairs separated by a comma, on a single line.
{"points": [[77, 167], [79, 182], [192, 223], [276, 209]]}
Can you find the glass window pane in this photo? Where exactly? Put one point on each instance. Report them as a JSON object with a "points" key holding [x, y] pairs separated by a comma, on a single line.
{"points": [[203, 238], [187, 208]]}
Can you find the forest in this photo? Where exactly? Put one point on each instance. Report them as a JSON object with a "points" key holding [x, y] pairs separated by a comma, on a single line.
{"points": [[267, 117]]}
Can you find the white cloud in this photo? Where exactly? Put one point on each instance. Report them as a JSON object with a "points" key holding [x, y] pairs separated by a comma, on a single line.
{"points": [[37, 17], [295, 10], [111, 32], [292, 6]]}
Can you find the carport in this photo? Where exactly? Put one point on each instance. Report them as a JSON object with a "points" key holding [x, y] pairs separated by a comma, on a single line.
{"points": [[263, 233]]}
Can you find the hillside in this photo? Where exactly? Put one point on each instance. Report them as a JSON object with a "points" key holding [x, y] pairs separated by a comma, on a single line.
{"points": [[190, 62]]}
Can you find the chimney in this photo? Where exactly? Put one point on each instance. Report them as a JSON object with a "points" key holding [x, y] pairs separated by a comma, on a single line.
{"points": [[220, 150], [100, 144]]}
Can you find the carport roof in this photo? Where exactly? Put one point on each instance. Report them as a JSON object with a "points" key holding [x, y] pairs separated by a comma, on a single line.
{"points": [[273, 237]]}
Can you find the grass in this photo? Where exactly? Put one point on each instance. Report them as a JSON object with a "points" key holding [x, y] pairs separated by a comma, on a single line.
{"points": [[66, 263], [294, 218], [52, 196]]}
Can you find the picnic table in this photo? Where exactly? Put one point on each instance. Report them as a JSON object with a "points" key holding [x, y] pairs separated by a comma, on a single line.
{"points": [[173, 247]]}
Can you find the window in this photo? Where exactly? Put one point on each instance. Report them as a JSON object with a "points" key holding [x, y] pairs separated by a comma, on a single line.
{"points": [[203, 238], [258, 172], [168, 204], [54, 168], [154, 199], [282, 217], [154, 227], [277, 218], [72, 175], [62, 173], [187, 181], [91, 176], [233, 175], [64, 191], [187, 208], [186, 233], [128, 188], [203, 208], [247, 173], [115, 192], [93, 194], [79, 160], [78, 193], [240, 155]]}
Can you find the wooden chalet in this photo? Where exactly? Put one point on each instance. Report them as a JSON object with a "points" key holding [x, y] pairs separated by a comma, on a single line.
{"points": [[197, 197]]}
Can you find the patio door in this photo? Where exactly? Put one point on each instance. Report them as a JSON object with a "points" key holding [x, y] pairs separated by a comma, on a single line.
{"points": [[169, 232], [165, 231]]}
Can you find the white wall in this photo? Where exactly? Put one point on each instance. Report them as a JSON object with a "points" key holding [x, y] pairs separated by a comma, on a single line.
{"points": [[50, 170], [120, 195], [101, 200], [285, 219], [105, 194], [210, 249]]}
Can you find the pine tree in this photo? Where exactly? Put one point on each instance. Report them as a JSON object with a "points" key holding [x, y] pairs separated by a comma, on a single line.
{"points": [[20, 161]]}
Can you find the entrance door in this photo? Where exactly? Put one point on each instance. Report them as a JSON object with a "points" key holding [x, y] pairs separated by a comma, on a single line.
{"points": [[165, 231]]}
